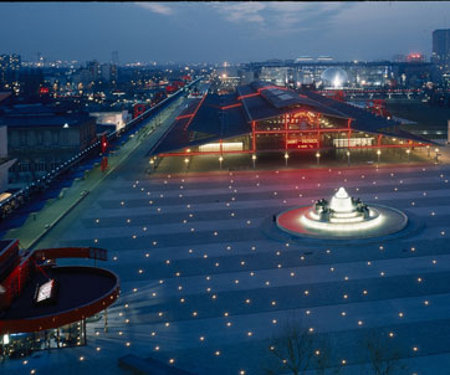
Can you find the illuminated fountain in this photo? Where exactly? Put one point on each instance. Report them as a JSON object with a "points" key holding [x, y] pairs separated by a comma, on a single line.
{"points": [[344, 217]]}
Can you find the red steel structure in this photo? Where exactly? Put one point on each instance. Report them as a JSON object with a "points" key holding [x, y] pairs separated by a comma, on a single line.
{"points": [[301, 127], [18, 272], [378, 107], [139, 109]]}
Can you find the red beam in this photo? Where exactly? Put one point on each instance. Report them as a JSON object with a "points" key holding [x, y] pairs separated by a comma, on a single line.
{"points": [[195, 112], [272, 87], [299, 131], [71, 252], [197, 153], [184, 116], [231, 106], [389, 146], [248, 96]]}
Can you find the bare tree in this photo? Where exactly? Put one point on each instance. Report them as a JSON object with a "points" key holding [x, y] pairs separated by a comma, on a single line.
{"points": [[324, 355], [297, 350], [383, 357], [293, 350]]}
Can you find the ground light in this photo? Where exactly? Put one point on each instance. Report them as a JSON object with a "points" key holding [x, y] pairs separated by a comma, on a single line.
{"points": [[436, 150]]}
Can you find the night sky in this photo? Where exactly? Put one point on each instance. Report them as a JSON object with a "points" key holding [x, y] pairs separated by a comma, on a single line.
{"points": [[219, 31]]}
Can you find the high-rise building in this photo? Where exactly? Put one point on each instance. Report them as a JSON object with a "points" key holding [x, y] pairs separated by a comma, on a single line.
{"points": [[115, 58], [9, 68], [441, 52]]}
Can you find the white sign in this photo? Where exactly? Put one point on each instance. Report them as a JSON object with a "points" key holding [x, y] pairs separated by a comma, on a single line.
{"points": [[45, 291]]}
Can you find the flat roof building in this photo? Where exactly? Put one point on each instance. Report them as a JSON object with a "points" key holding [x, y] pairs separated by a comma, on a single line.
{"points": [[42, 138]]}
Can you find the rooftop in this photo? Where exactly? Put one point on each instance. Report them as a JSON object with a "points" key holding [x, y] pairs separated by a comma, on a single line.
{"points": [[220, 117], [43, 118], [78, 286]]}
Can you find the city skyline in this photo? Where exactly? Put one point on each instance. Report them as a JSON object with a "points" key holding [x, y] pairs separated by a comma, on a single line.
{"points": [[214, 32]]}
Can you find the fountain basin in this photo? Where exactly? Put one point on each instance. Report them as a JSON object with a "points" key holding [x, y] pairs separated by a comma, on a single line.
{"points": [[342, 218]]}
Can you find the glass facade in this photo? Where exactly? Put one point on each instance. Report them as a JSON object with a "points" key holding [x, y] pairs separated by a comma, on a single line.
{"points": [[15, 346]]}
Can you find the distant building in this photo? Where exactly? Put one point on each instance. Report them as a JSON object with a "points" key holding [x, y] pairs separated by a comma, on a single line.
{"points": [[441, 53], [399, 58], [9, 70], [31, 80], [277, 75], [303, 59], [9, 63], [411, 74], [324, 59], [117, 118], [415, 57], [5, 162], [42, 138], [246, 76], [115, 57]]}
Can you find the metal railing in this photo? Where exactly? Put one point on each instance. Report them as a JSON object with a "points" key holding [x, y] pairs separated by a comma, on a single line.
{"points": [[26, 194]]}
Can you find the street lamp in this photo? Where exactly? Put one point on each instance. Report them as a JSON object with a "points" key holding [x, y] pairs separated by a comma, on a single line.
{"points": [[428, 149], [254, 160], [348, 158], [378, 154], [286, 157], [220, 161], [436, 150], [318, 157], [408, 152], [152, 163]]}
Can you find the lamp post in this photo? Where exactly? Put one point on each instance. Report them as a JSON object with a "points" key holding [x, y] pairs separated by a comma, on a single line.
{"points": [[428, 149], [318, 157], [436, 161], [186, 162], [408, 152], [152, 164], [348, 158], [378, 155], [286, 157], [220, 161], [254, 160]]}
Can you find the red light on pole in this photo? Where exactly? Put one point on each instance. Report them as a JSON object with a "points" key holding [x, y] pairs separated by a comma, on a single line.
{"points": [[104, 164], [104, 143]]}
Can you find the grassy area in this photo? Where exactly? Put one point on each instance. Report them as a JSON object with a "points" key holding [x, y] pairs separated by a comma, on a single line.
{"points": [[426, 117]]}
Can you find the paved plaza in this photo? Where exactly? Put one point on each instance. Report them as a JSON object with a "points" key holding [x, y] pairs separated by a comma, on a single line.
{"points": [[208, 280]]}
